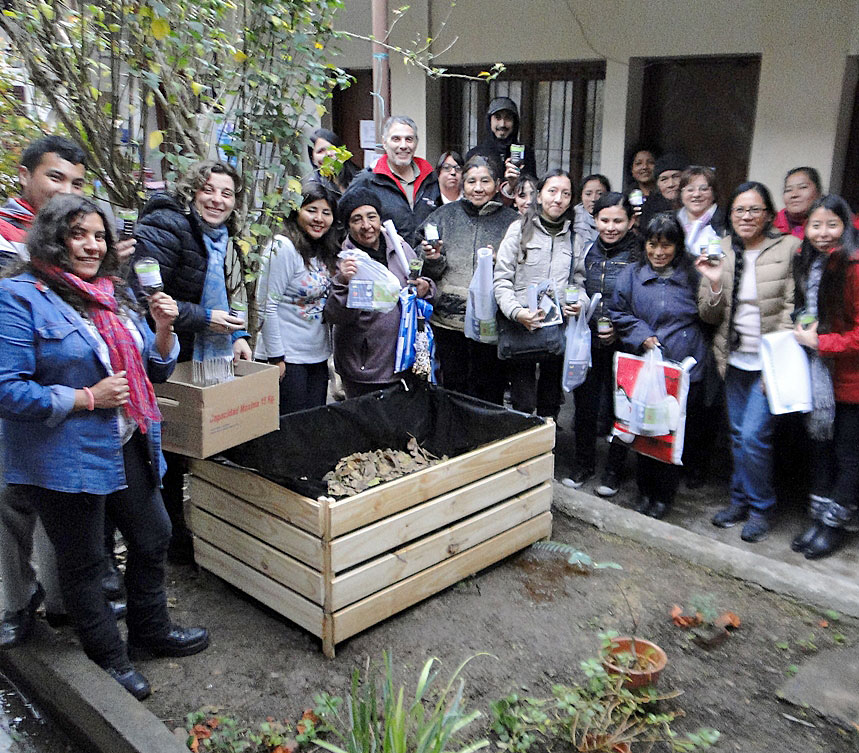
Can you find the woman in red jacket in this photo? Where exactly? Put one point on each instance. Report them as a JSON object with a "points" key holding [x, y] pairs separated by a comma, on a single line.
{"points": [[827, 296]]}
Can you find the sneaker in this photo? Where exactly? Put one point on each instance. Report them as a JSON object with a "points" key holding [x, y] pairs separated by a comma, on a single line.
{"points": [[728, 517], [609, 484], [577, 479], [757, 529]]}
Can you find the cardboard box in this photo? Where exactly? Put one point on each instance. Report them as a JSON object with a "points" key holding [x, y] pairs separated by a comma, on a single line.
{"points": [[203, 421]]}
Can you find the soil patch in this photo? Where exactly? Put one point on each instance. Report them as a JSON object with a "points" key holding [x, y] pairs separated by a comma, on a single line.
{"points": [[538, 618]]}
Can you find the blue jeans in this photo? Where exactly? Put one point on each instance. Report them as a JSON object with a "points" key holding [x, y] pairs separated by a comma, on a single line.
{"points": [[752, 428]]}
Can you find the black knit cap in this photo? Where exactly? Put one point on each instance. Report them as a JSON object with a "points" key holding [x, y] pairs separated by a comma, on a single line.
{"points": [[670, 161], [357, 197]]}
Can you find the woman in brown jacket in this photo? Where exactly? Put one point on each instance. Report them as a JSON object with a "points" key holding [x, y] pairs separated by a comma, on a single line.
{"points": [[749, 294]]}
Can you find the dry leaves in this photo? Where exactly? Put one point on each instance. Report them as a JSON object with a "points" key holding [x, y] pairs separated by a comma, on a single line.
{"points": [[362, 470], [685, 621]]}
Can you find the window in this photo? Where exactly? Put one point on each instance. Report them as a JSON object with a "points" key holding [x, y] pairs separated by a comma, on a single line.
{"points": [[560, 112]]}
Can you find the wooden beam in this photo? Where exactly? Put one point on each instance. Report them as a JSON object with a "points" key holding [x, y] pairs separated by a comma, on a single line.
{"points": [[419, 555], [260, 556], [357, 617], [394, 496], [294, 508], [395, 530], [258, 523], [295, 608]]}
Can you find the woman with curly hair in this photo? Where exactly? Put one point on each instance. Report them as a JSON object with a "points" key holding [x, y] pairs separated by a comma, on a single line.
{"points": [[83, 428], [188, 232]]}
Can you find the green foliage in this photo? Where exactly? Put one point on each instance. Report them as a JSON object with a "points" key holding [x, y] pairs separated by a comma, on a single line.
{"points": [[377, 716], [575, 557], [596, 715], [16, 131], [218, 733]]}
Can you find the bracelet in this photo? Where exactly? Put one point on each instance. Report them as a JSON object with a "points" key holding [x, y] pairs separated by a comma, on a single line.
{"points": [[90, 397]]}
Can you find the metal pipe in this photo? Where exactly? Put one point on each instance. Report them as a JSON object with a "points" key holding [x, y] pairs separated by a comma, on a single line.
{"points": [[381, 67]]}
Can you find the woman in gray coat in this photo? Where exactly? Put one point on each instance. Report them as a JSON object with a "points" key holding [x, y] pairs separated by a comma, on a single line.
{"points": [[475, 221]]}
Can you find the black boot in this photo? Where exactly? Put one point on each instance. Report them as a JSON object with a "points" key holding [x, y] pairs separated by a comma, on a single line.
{"points": [[659, 509], [130, 679], [801, 542], [831, 535], [817, 506], [827, 541]]}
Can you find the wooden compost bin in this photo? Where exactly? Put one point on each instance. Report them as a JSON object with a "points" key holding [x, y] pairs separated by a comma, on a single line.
{"points": [[338, 567]]}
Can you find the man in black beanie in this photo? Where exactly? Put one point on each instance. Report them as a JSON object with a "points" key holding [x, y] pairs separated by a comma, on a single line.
{"points": [[666, 197]]}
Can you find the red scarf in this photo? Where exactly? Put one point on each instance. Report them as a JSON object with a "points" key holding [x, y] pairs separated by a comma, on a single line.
{"points": [[101, 308]]}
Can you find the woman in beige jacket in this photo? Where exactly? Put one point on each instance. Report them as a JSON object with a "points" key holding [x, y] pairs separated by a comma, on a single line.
{"points": [[749, 294], [537, 248]]}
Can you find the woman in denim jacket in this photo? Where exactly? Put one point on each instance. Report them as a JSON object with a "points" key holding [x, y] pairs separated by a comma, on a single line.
{"points": [[82, 427]]}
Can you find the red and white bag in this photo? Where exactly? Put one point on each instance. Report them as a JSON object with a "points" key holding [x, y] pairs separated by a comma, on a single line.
{"points": [[641, 404]]}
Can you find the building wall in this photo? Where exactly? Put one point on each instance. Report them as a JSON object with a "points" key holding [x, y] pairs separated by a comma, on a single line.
{"points": [[804, 48]]}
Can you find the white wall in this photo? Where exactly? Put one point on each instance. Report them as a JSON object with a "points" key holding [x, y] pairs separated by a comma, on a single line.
{"points": [[803, 48]]}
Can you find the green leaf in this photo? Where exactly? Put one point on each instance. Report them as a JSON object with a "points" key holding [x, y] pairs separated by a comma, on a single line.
{"points": [[832, 615], [783, 645]]}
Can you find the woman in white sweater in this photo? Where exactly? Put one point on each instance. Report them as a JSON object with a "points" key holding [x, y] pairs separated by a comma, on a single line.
{"points": [[297, 269]]}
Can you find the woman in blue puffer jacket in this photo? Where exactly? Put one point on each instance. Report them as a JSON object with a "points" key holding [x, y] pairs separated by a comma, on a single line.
{"points": [[82, 428], [655, 305]]}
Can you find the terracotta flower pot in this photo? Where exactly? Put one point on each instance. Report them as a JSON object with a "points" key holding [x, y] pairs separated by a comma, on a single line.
{"points": [[636, 677]]}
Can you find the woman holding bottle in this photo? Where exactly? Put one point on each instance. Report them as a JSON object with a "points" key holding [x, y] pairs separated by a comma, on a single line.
{"points": [[296, 276]]}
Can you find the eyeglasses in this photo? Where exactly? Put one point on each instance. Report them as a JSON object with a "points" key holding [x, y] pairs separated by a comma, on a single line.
{"points": [[752, 211], [451, 169], [703, 188]]}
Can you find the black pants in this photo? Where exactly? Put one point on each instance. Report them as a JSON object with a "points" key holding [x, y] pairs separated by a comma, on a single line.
{"points": [[470, 367], [588, 395], [75, 526], [304, 385], [537, 387], [657, 480], [836, 462]]}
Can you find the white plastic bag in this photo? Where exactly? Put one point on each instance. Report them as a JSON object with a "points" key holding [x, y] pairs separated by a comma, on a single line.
{"points": [[374, 287], [577, 353], [650, 405], [480, 307]]}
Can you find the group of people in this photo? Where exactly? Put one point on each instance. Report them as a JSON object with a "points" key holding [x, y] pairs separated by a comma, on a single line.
{"points": [[82, 343]]}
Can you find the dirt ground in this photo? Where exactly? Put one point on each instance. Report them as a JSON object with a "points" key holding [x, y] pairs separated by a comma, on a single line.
{"points": [[538, 619]]}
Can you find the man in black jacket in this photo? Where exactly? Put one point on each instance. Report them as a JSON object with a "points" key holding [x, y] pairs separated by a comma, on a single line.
{"points": [[502, 130], [407, 186]]}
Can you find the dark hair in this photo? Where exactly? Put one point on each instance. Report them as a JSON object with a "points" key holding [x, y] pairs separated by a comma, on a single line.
{"points": [[613, 199], [769, 207], [327, 247], [739, 247], [534, 209], [455, 156], [62, 147], [479, 160], [666, 227], [595, 176], [196, 177], [630, 158], [47, 242], [812, 174], [830, 294]]}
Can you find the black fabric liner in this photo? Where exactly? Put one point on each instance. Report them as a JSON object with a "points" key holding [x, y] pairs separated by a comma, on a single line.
{"points": [[311, 442]]}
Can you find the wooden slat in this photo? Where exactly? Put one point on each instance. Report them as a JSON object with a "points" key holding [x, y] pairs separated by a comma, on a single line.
{"points": [[259, 523], [260, 556], [357, 617], [370, 541], [371, 577], [395, 496], [278, 500], [262, 588]]}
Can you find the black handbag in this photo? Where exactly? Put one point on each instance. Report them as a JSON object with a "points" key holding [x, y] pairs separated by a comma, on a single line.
{"points": [[517, 343]]}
